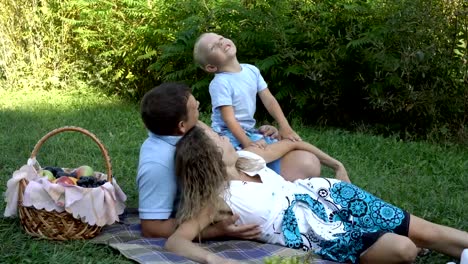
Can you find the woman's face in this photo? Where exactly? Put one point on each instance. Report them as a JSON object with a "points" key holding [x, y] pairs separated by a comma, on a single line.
{"points": [[227, 150]]}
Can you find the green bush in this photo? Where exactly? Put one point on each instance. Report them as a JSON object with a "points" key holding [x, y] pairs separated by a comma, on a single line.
{"points": [[397, 65], [34, 45], [393, 67]]}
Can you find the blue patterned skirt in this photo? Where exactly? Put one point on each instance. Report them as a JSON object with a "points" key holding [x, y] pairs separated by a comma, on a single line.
{"points": [[363, 219]]}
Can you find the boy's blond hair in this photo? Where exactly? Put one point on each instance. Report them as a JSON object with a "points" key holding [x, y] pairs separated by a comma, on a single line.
{"points": [[198, 56]]}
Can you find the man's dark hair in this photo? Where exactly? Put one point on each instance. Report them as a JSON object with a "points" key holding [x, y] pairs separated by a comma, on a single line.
{"points": [[164, 106]]}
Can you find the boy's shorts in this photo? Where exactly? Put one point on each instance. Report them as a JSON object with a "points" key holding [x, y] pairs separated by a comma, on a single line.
{"points": [[253, 135]]}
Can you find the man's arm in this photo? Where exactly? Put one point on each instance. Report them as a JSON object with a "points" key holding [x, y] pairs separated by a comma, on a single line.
{"points": [[269, 131], [157, 190], [158, 228], [273, 107]]}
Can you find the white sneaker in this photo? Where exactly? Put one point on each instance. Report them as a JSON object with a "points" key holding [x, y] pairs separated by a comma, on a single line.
{"points": [[464, 257]]}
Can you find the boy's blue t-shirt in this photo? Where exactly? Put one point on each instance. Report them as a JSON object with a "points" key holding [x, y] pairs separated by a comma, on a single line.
{"points": [[238, 90]]}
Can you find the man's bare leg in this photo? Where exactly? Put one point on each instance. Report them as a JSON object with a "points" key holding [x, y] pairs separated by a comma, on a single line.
{"points": [[299, 164]]}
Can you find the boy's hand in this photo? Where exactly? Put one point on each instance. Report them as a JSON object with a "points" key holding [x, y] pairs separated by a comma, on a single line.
{"points": [[288, 133], [269, 131], [259, 144]]}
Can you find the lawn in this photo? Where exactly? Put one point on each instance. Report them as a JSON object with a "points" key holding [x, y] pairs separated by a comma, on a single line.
{"points": [[428, 180]]}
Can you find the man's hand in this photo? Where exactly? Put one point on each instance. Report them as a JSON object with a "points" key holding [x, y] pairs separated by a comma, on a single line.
{"points": [[288, 133], [259, 144], [342, 175], [229, 228], [269, 131]]}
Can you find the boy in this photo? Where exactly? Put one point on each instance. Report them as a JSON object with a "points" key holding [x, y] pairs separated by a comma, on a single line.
{"points": [[233, 97], [233, 94]]}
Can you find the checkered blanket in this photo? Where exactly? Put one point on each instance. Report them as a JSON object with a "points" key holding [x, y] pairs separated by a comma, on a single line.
{"points": [[126, 238]]}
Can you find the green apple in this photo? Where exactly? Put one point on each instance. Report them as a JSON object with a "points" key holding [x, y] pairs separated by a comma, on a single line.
{"points": [[48, 174], [84, 170]]}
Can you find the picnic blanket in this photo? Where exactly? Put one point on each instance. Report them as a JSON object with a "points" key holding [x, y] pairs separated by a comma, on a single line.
{"points": [[125, 237]]}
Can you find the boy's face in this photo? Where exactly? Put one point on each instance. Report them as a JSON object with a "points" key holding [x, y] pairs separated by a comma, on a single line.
{"points": [[217, 50]]}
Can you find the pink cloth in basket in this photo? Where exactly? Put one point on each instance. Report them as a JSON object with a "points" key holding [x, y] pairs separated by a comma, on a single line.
{"points": [[95, 206]]}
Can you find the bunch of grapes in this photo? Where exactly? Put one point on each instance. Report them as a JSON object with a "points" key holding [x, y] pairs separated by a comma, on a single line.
{"points": [[89, 182], [56, 171], [59, 172]]}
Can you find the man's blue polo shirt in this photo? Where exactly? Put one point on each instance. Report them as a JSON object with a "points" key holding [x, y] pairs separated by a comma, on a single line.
{"points": [[156, 180]]}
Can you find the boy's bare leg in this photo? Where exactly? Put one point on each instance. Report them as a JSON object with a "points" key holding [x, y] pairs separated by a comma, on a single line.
{"points": [[299, 164]]}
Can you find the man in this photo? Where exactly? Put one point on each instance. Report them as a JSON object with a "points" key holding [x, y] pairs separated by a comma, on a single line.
{"points": [[168, 112]]}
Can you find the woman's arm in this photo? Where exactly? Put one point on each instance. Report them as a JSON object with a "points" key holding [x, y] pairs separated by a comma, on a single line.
{"points": [[180, 242], [279, 149], [274, 151]]}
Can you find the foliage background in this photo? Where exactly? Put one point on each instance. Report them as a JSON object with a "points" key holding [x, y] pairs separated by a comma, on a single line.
{"points": [[394, 67]]}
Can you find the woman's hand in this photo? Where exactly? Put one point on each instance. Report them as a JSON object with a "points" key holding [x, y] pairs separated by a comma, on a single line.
{"points": [[259, 144], [341, 174]]}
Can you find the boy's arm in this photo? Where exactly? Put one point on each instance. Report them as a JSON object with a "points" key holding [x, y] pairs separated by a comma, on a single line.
{"points": [[272, 106], [227, 113]]}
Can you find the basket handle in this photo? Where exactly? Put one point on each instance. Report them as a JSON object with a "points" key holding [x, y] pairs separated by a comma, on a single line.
{"points": [[104, 152]]}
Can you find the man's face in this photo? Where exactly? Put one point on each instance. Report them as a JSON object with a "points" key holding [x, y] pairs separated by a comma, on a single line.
{"points": [[217, 49], [192, 114]]}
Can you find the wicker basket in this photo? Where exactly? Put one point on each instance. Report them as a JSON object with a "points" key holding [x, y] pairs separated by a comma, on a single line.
{"points": [[58, 225]]}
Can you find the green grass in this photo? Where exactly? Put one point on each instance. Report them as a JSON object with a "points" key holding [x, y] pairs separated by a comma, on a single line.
{"points": [[428, 180]]}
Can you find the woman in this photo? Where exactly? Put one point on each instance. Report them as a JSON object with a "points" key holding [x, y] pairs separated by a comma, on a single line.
{"points": [[334, 219]]}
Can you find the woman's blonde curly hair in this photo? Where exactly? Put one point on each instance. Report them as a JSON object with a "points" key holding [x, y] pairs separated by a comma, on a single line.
{"points": [[201, 174]]}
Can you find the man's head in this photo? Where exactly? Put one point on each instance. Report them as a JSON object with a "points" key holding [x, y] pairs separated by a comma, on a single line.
{"points": [[212, 51], [169, 109]]}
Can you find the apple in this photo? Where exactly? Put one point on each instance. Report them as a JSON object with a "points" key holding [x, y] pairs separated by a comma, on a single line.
{"points": [[65, 180], [48, 174], [84, 170]]}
